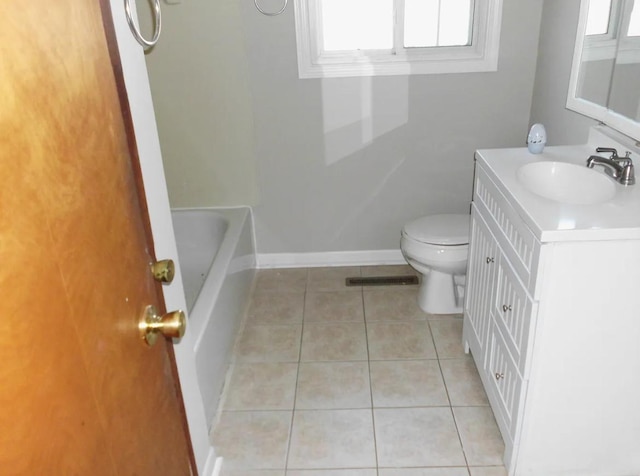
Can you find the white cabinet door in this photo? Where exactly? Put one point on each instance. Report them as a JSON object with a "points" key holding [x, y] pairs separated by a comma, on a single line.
{"points": [[481, 275], [498, 314], [505, 384], [513, 312]]}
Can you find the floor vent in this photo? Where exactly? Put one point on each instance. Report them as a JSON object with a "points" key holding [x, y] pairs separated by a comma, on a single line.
{"points": [[382, 281]]}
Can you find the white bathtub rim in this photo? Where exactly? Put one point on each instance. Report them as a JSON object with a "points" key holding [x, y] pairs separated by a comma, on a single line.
{"points": [[218, 271], [219, 267]]}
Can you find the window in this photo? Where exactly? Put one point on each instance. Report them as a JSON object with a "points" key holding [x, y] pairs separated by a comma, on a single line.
{"points": [[383, 37], [606, 17], [599, 18], [634, 21], [613, 31]]}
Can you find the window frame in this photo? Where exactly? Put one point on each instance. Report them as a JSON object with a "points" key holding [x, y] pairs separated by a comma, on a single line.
{"points": [[604, 46], [480, 56], [615, 44]]}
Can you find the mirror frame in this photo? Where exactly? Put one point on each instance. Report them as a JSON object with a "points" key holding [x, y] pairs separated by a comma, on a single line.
{"points": [[605, 115]]}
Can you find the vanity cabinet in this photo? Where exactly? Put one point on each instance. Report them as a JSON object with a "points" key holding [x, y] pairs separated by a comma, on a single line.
{"points": [[553, 325], [499, 308]]}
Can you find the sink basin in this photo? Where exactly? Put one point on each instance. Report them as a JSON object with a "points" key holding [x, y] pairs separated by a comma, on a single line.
{"points": [[566, 183]]}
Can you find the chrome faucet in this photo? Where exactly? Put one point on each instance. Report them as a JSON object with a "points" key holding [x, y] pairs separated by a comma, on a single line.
{"points": [[620, 168], [614, 155]]}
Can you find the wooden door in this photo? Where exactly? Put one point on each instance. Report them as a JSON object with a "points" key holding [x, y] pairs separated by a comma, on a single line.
{"points": [[80, 393]]}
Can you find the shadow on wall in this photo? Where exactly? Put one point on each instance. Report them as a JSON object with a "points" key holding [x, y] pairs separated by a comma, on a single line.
{"points": [[348, 116], [353, 129]]}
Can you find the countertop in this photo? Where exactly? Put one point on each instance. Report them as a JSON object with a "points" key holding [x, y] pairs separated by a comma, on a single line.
{"points": [[616, 219]]}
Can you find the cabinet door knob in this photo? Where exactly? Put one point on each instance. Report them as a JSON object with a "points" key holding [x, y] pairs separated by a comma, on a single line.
{"points": [[490, 260], [499, 376], [506, 308]]}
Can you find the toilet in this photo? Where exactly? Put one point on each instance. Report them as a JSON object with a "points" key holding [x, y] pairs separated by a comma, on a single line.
{"points": [[436, 246]]}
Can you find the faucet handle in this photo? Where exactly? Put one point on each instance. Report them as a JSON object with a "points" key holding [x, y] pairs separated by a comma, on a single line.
{"points": [[611, 150], [626, 160], [627, 177]]}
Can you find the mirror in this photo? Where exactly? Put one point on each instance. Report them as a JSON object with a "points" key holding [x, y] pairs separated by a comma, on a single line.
{"points": [[605, 78]]}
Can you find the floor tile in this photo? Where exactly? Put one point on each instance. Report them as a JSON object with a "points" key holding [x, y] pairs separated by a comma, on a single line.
{"points": [[400, 340], [447, 335], [269, 343], [262, 386], [462, 471], [327, 439], [333, 306], [289, 280], [333, 385], [480, 436], [251, 472], [300, 314], [410, 437], [334, 342], [463, 382], [253, 440], [437, 317], [488, 471], [388, 270], [391, 303], [332, 279], [333, 472], [276, 307], [410, 383]]}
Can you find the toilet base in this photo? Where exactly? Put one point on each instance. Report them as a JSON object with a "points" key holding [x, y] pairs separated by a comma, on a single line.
{"points": [[441, 293]]}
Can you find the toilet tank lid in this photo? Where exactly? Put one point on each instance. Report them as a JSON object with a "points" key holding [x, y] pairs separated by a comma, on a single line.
{"points": [[446, 229]]}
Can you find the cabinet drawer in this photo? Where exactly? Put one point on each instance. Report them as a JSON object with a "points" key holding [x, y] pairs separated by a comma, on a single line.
{"points": [[516, 239], [513, 313], [505, 384]]}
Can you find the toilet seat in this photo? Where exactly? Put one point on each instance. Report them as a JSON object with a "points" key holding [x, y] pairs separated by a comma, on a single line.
{"points": [[442, 230]]}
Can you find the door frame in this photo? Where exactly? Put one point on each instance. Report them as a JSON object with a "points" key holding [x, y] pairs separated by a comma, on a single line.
{"points": [[136, 80]]}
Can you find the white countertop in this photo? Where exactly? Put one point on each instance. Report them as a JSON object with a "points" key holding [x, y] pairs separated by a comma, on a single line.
{"points": [[616, 219]]}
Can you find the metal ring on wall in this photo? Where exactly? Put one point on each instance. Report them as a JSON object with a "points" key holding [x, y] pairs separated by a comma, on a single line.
{"points": [[271, 14], [136, 31]]}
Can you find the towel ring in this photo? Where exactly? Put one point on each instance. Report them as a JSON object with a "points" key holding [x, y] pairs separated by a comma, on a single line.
{"points": [[136, 31], [269, 14]]}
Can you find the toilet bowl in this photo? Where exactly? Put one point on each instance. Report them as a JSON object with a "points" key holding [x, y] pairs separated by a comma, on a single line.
{"points": [[436, 246]]}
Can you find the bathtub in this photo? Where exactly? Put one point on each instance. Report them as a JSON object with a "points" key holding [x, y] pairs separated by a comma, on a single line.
{"points": [[216, 254]]}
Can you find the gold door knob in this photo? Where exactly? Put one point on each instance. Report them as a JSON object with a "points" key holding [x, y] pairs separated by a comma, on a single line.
{"points": [[163, 270], [171, 325]]}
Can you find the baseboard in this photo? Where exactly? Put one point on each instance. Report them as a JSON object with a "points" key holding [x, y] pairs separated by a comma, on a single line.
{"points": [[217, 470], [213, 465], [330, 258]]}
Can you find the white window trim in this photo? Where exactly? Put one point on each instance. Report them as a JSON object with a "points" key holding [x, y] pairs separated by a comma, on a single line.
{"points": [[481, 56], [613, 45]]}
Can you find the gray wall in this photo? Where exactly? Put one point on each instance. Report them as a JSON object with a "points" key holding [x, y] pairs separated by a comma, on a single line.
{"points": [[199, 81], [594, 80], [555, 54], [334, 164], [344, 163], [625, 90]]}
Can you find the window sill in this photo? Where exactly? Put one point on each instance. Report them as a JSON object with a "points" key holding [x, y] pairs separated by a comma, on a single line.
{"points": [[395, 67]]}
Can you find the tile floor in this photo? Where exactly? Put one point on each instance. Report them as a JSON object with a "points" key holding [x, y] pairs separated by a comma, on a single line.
{"points": [[330, 380]]}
